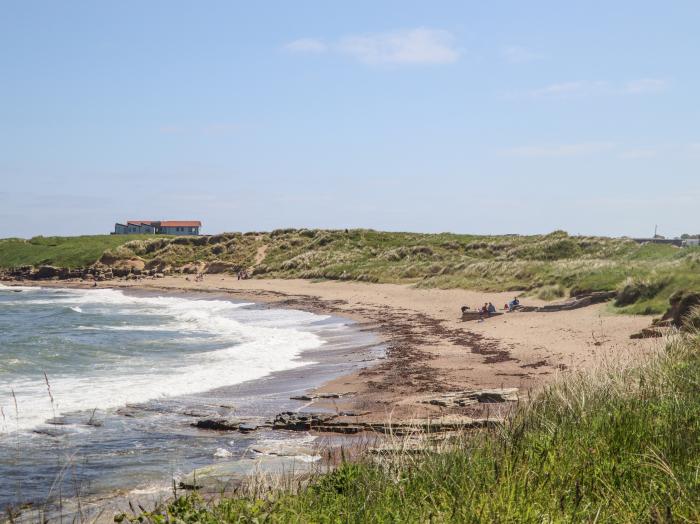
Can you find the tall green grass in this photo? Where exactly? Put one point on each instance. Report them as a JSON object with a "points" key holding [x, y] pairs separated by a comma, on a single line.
{"points": [[619, 445]]}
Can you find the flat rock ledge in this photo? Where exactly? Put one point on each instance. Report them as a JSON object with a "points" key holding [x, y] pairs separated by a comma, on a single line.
{"points": [[477, 396], [343, 423], [320, 396], [576, 302], [227, 424]]}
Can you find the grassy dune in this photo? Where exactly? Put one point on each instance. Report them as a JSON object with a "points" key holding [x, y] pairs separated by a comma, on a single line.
{"points": [[622, 445], [59, 251], [548, 266]]}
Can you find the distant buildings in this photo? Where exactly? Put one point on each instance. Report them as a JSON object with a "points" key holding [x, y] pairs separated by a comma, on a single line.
{"points": [[159, 227], [658, 239]]}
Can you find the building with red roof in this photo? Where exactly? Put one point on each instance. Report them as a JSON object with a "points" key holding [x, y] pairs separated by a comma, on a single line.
{"points": [[158, 227]]}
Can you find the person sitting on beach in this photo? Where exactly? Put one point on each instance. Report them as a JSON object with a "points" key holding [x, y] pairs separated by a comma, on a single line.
{"points": [[485, 310], [514, 304], [491, 308]]}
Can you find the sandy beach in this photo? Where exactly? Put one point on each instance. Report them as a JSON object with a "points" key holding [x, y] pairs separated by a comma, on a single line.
{"points": [[431, 351]]}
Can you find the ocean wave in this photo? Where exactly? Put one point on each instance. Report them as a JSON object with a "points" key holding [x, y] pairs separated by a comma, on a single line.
{"points": [[251, 350]]}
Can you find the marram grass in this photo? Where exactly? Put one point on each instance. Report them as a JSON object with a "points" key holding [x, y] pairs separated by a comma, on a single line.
{"points": [[618, 445]]}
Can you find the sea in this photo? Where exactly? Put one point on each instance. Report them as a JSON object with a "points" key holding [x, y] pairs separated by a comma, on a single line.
{"points": [[99, 388]]}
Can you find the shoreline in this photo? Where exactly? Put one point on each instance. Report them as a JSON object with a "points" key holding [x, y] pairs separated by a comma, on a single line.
{"points": [[431, 355], [255, 402], [431, 352]]}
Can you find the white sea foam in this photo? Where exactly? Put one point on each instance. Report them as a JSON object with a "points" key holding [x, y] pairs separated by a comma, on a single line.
{"points": [[257, 348], [222, 453], [3, 287]]}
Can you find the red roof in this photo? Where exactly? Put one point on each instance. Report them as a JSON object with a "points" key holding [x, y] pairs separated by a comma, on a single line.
{"points": [[181, 223], [166, 223]]}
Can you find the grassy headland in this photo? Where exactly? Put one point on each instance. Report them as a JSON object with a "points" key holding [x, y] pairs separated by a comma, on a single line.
{"points": [[621, 445], [548, 266], [70, 252]]}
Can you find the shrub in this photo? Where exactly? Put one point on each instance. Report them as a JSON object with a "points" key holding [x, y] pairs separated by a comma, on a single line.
{"points": [[636, 290], [551, 292]]}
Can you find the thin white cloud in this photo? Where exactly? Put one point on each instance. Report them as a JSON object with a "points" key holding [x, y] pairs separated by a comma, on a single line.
{"points": [[637, 154], [306, 45], [516, 54], [646, 85], [420, 46], [413, 46], [568, 89], [559, 150], [589, 88]]}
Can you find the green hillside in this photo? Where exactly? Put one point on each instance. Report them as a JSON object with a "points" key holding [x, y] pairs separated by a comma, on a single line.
{"points": [[59, 251], [548, 266]]}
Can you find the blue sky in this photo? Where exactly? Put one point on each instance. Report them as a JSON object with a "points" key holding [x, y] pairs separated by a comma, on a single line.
{"points": [[480, 117]]}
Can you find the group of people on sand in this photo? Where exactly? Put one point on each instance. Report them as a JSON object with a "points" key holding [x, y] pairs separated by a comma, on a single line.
{"points": [[243, 275], [489, 309]]}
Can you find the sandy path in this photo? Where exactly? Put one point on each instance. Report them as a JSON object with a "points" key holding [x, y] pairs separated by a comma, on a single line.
{"points": [[431, 350]]}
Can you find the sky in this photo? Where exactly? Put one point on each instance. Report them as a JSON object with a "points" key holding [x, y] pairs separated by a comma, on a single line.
{"points": [[469, 117]]}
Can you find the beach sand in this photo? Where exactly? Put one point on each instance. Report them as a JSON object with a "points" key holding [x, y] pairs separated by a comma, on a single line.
{"points": [[431, 351]]}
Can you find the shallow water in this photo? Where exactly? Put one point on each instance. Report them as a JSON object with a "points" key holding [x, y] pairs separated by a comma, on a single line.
{"points": [[121, 377]]}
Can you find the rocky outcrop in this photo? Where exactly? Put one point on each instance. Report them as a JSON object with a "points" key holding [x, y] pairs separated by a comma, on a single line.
{"points": [[576, 302], [219, 424], [347, 423], [318, 396], [44, 272], [301, 421], [470, 397]]}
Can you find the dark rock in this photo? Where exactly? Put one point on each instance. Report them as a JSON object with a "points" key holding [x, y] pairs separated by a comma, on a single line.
{"points": [[49, 432], [44, 272], [57, 421], [314, 396], [650, 332], [301, 421], [579, 301], [469, 397], [247, 427], [219, 424]]}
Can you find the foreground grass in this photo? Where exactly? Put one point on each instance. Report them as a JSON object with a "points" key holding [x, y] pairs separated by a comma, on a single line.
{"points": [[619, 446], [547, 266]]}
